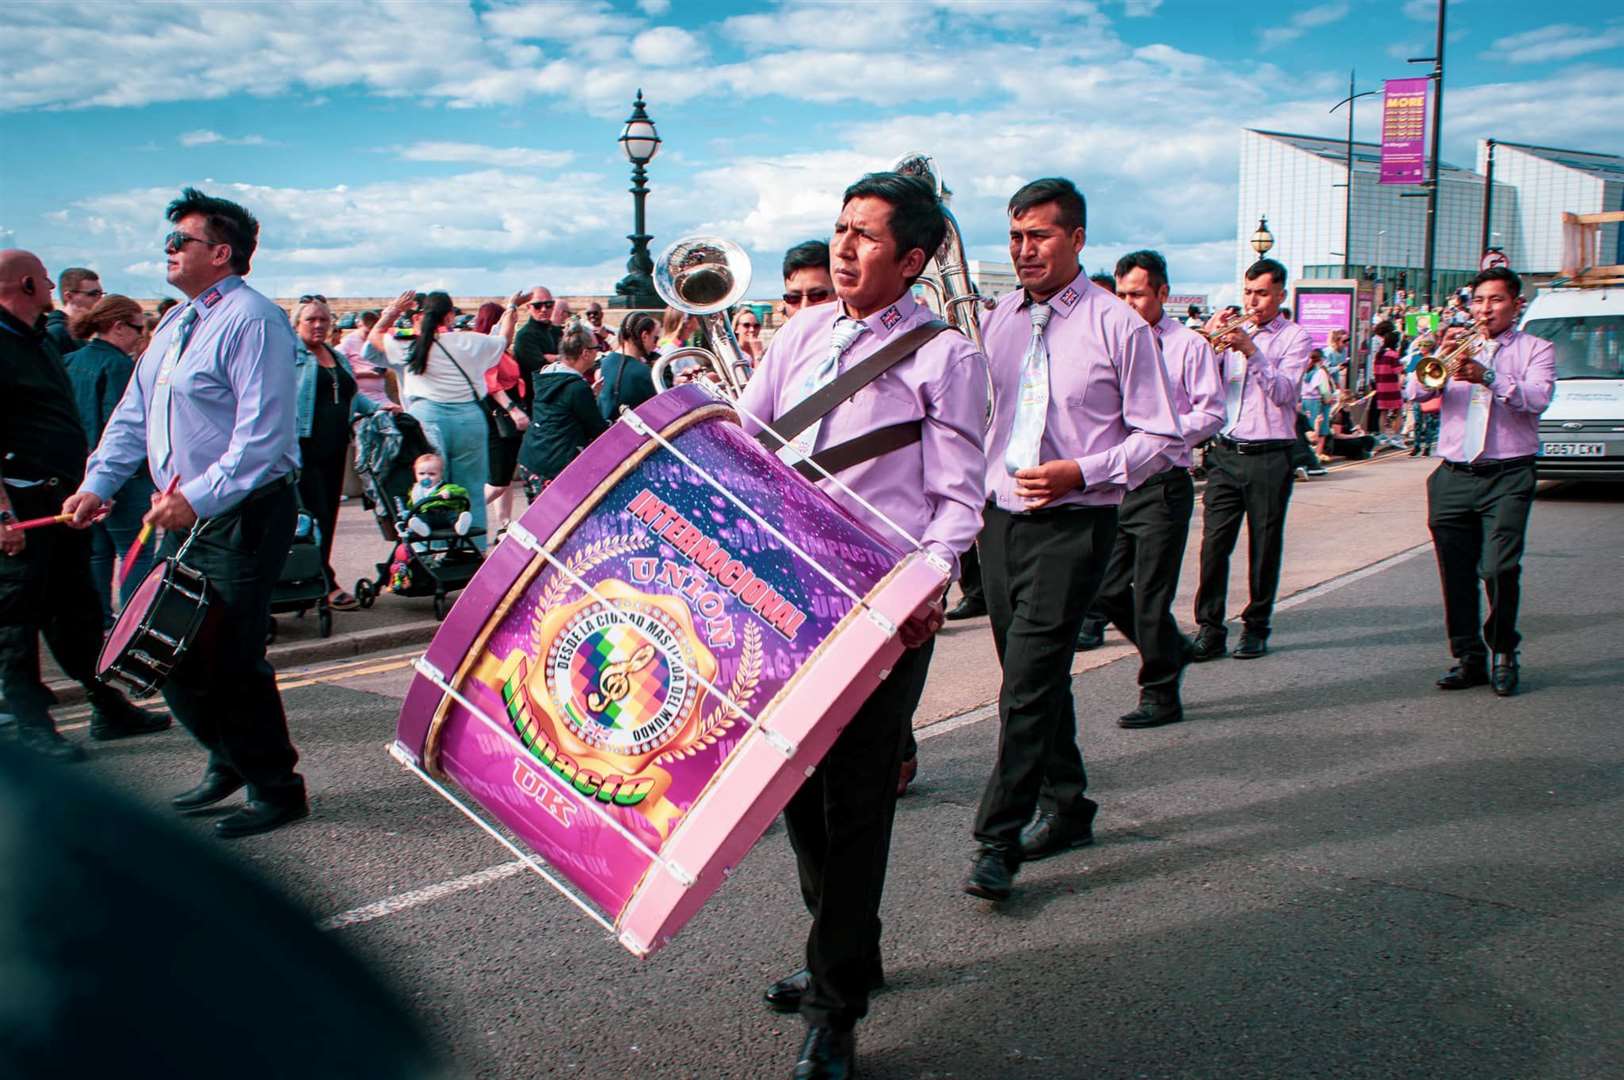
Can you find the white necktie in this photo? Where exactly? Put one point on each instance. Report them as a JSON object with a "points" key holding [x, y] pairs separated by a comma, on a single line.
{"points": [[1032, 404], [1234, 391], [1477, 412], [846, 330], [158, 415]]}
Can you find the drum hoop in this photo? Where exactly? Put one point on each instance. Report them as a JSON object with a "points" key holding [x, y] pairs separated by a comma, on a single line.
{"points": [[765, 711], [144, 631], [538, 562]]}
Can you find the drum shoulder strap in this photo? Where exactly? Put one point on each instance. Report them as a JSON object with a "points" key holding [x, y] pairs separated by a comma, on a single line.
{"points": [[866, 447], [824, 401]]}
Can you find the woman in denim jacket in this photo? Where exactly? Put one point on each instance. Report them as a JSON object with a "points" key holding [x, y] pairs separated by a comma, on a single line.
{"points": [[327, 403]]}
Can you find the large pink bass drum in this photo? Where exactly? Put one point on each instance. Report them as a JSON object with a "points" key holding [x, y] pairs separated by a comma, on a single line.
{"points": [[655, 658]]}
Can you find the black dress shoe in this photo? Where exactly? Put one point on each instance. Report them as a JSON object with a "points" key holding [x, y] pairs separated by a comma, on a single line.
{"points": [[1091, 635], [966, 608], [216, 785], [827, 1054], [1504, 675], [257, 817], [786, 994], [47, 743], [1149, 714], [992, 875], [1251, 647], [1051, 834], [1464, 676], [118, 719], [1209, 645]]}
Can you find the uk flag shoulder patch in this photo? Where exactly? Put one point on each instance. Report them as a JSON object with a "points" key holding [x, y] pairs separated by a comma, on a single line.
{"points": [[890, 317]]}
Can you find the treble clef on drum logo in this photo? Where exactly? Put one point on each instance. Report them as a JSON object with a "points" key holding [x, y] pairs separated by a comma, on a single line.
{"points": [[615, 682]]}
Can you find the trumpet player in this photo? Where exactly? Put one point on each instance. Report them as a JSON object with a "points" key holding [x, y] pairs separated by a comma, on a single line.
{"points": [[1249, 474], [1479, 496]]}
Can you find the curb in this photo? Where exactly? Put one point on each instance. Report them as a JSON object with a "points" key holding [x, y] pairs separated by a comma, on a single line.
{"points": [[295, 654]]}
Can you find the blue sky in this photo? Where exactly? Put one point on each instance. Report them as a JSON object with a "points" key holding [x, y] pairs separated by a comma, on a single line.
{"points": [[471, 145]]}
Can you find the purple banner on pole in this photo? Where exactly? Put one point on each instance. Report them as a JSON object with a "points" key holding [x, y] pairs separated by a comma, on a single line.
{"points": [[1404, 131]]}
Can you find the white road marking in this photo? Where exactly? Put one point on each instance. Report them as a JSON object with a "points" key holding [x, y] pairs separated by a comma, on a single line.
{"points": [[429, 893], [417, 897]]}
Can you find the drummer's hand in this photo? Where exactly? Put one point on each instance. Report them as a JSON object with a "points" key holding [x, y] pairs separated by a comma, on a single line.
{"points": [[922, 624], [12, 541], [171, 512], [85, 507], [1044, 484]]}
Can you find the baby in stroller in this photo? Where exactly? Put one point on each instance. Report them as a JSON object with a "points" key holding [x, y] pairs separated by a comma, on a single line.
{"points": [[435, 504]]}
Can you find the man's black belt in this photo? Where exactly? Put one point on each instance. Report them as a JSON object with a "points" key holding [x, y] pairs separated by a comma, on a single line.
{"points": [[1255, 446], [1490, 468], [1164, 476]]}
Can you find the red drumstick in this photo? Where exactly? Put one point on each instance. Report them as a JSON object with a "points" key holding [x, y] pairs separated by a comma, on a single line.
{"points": [[57, 519], [141, 540]]}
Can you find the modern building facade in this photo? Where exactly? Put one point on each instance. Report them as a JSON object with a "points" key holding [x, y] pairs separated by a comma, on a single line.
{"points": [[1544, 182], [1297, 182]]}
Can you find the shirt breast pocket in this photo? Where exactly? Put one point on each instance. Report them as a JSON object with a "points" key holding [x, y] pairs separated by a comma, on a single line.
{"points": [[883, 402], [201, 384]]}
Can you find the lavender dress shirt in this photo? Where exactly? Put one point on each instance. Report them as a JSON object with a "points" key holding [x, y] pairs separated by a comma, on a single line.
{"points": [[1524, 379], [232, 408], [931, 488], [1110, 404], [1274, 382], [1198, 390]]}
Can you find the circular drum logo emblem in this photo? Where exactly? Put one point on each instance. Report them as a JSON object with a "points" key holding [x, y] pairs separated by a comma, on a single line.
{"points": [[611, 675]]}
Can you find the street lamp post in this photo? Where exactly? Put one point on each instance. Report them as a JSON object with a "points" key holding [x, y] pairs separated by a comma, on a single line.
{"points": [[1347, 207], [1263, 239], [641, 142]]}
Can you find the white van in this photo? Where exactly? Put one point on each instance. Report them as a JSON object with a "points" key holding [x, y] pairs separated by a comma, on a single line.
{"points": [[1581, 435]]}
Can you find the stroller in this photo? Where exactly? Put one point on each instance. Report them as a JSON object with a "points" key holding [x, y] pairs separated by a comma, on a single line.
{"points": [[437, 564], [302, 584]]}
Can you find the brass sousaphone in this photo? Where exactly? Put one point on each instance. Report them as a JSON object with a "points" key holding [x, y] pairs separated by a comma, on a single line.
{"points": [[704, 276]]}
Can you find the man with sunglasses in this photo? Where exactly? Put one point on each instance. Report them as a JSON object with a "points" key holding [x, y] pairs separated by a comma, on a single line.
{"points": [[806, 277], [211, 411], [594, 319], [81, 289], [536, 344], [45, 580]]}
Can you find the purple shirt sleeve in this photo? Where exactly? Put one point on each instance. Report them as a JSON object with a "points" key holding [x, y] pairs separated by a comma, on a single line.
{"points": [[1147, 413]]}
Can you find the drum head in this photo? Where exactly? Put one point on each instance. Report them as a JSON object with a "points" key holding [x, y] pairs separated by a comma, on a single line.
{"points": [[131, 617]]}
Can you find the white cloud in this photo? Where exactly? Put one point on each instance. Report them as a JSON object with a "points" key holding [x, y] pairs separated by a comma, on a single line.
{"points": [[1563, 41], [1140, 9], [214, 138], [1302, 22], [474, 154], [654, 8], [664, 46]]}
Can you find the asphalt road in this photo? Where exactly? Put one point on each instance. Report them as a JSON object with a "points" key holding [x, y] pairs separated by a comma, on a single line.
{"points": [[1330, 869]]}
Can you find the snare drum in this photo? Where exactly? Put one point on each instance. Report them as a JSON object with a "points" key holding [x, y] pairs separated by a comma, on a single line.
{"points": [[156, 628], [645, 670]]}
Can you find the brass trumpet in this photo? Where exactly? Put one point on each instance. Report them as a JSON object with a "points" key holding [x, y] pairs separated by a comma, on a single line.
{"points": [[1434, 371], [1239, 322], [704, 276]]}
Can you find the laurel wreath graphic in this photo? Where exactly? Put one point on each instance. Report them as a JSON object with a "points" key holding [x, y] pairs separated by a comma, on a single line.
{"points": [[741, 691], [594, 554]]}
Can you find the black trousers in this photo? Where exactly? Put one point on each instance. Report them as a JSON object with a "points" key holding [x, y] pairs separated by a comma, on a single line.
{"points": [[1478, 525], [839, 824], [224, 691], [321, 483], [1136, 596], [970, 576], [1041, 571], [46, 589], [1256, 488]]}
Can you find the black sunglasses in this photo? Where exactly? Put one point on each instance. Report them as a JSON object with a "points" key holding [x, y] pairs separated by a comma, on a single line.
{"points": [[810, 296], [541, 303], [314, 297], [177, 240]]}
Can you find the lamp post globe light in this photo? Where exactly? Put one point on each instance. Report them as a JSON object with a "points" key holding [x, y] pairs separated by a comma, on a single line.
{"points": [[1263, 239], [641, 142]]}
